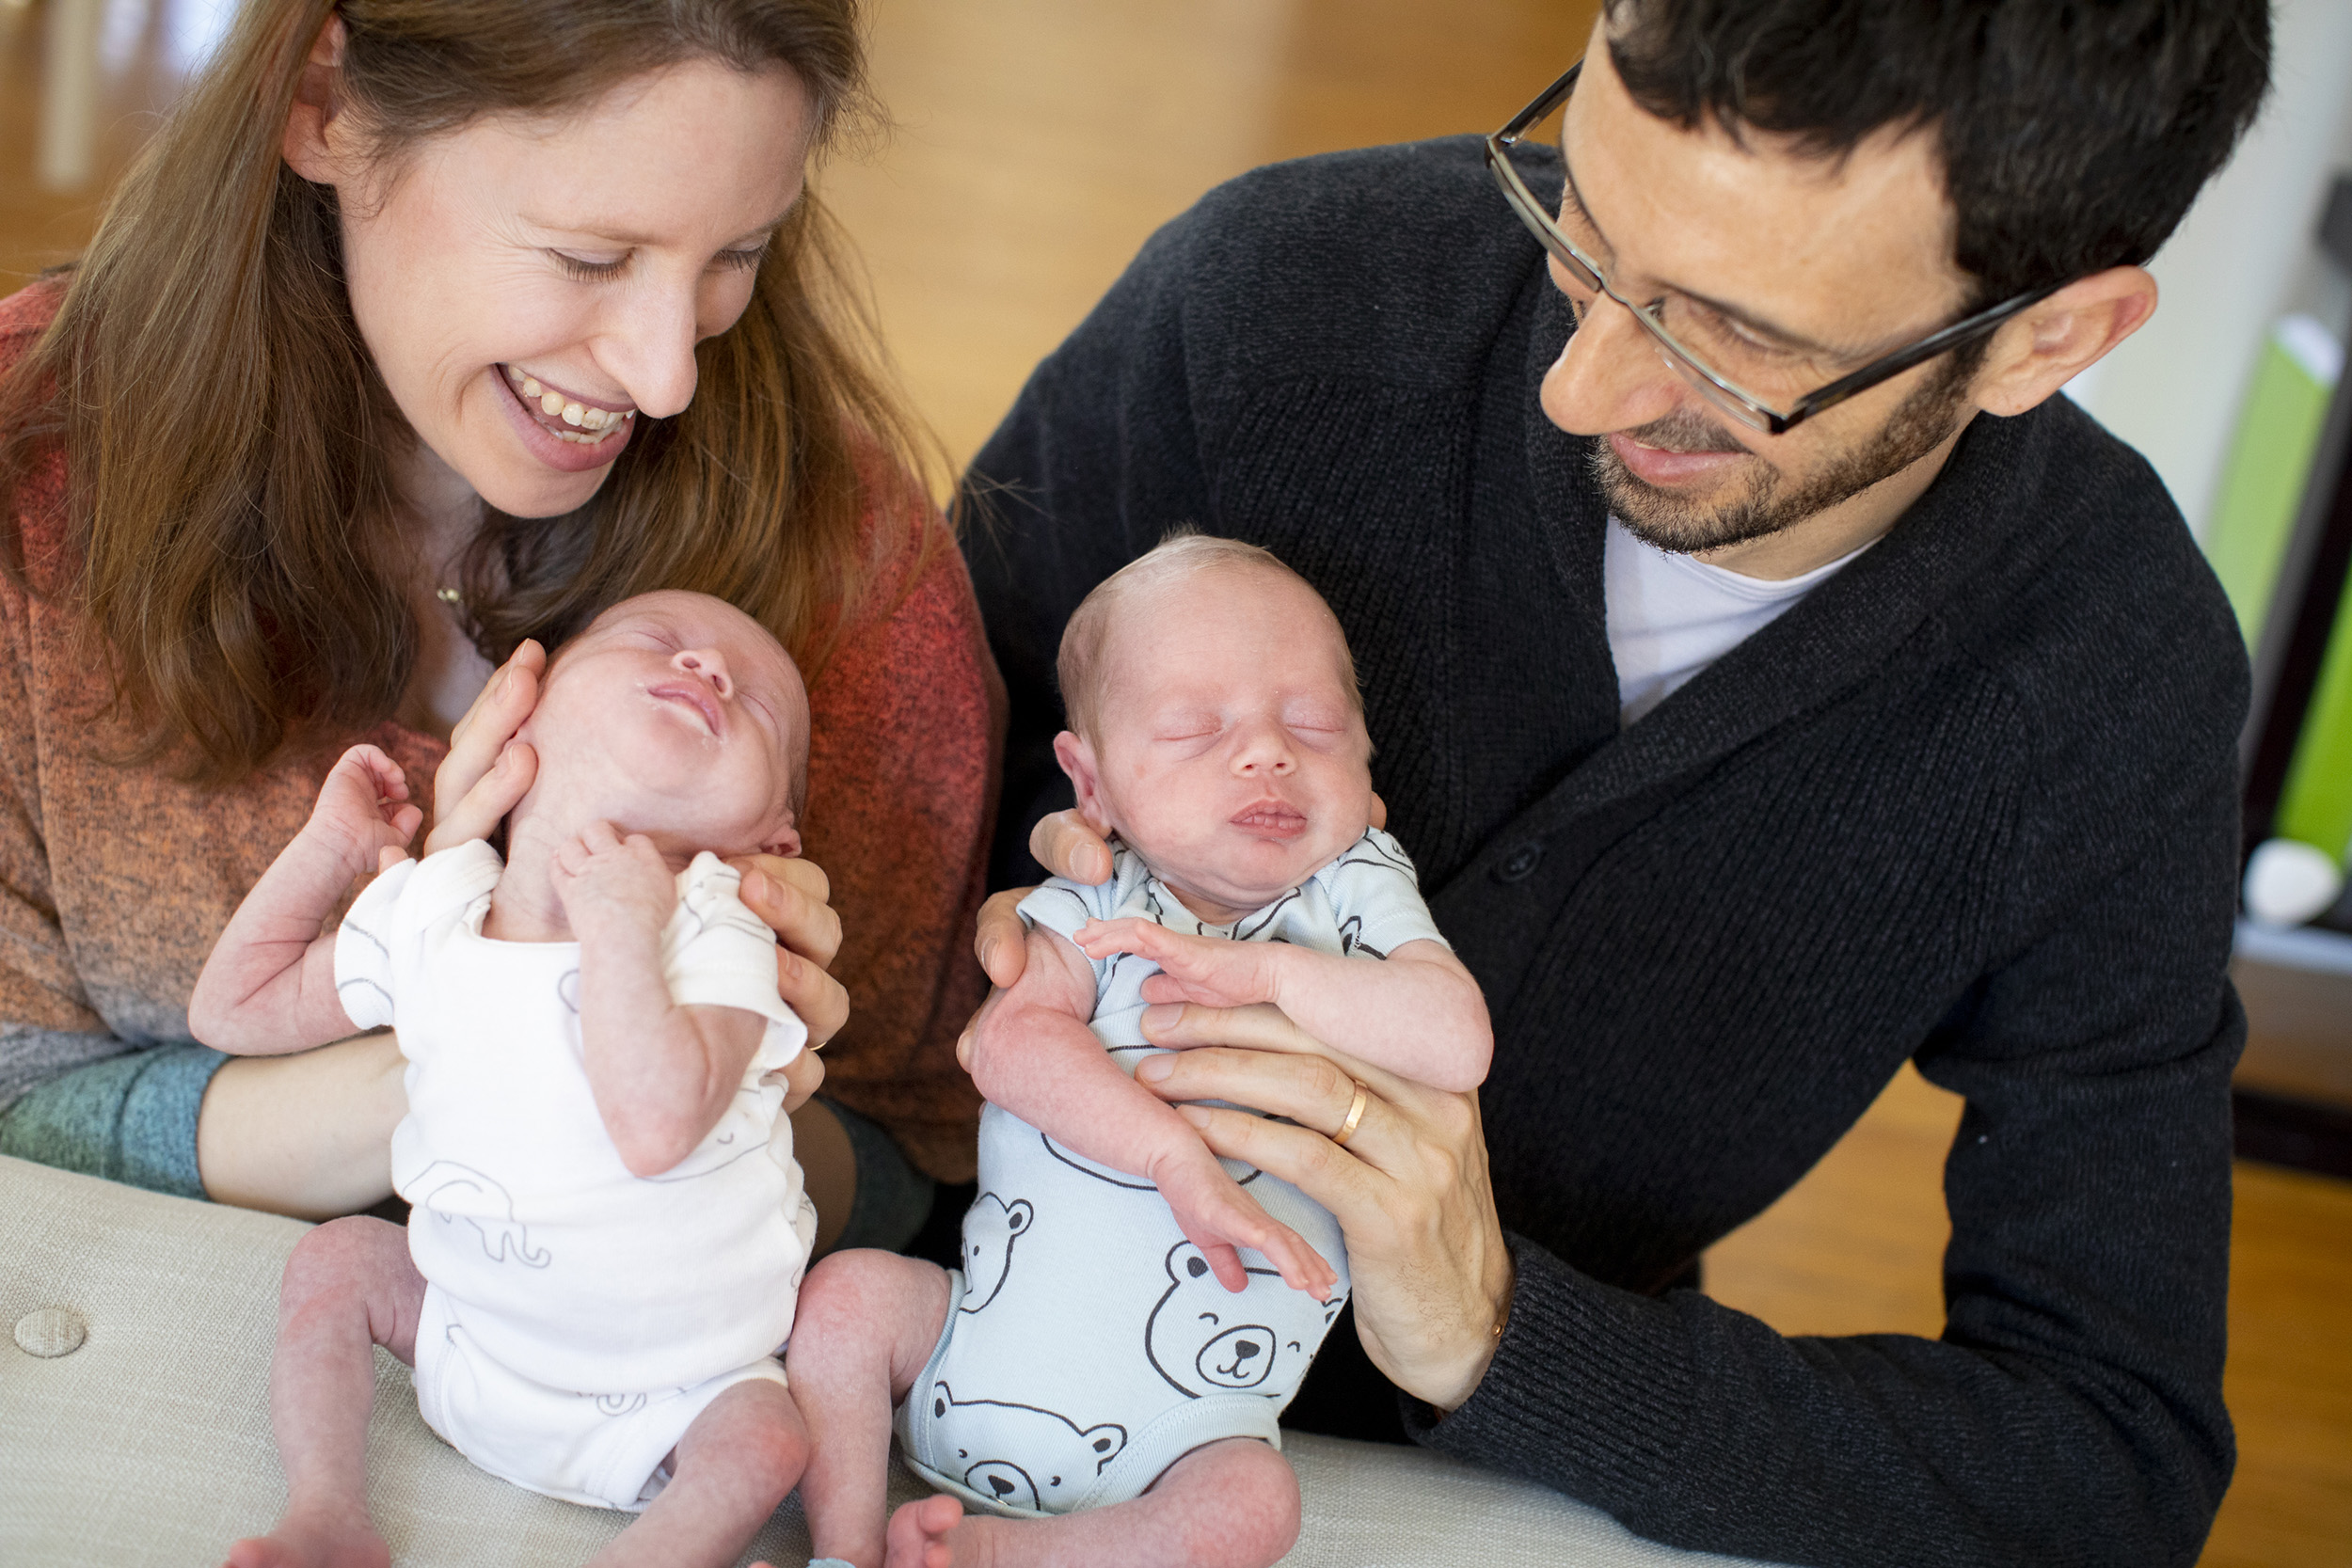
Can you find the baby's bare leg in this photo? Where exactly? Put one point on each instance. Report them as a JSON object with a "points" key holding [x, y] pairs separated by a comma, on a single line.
{"points": [[348, 1287], [866, 1323], [1232, 1504], [735, 1462]]}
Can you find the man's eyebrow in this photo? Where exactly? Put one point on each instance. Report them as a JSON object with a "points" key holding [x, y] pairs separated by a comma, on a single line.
{"points": [[621, 234], [1745, 317]]}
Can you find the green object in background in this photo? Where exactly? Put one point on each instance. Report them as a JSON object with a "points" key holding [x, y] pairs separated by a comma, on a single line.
{"points": [[2261, 485], [2316, 804]]}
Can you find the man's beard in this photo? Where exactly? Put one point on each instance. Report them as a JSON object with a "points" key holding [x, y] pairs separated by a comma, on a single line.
{"points": [[1659, 517]]}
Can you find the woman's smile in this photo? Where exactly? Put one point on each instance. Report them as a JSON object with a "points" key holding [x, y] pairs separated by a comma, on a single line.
{"points": [[565, 415], [560, 438]]}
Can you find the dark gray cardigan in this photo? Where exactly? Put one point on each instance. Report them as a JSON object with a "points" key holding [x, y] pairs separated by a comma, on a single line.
{"points": [[1973, 802]]}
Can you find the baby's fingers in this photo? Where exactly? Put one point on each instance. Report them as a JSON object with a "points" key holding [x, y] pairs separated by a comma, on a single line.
{"points": [[1301, 1266], [1100, 939], [1225, 1262]]}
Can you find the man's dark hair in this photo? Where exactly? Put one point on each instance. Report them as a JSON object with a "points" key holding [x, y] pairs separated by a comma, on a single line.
{"points": [[2074, 133]]}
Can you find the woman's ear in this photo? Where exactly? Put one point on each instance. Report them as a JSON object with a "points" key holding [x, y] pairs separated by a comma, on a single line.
{"points": [[1077, 760], [308, 148]]}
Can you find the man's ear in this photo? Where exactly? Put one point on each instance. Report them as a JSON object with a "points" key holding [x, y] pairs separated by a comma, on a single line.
{"points": [[2054, 341], [1077, 760], [316, 101]]}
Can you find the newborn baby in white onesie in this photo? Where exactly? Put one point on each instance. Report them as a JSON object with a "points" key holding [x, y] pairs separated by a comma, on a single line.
{"points": [[609, 1227], [1102, 1375]]}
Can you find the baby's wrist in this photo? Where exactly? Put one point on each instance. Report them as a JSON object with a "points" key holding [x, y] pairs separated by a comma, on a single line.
{"points": [[335, 848]]}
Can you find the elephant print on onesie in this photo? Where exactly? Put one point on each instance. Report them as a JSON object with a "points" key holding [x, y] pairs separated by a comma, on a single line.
{"points": [[1205, 1339], [990, 1226], [451, 1191], [1060, 1460]]}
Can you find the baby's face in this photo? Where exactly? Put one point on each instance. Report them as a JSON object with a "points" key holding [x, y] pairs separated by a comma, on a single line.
{"points": [[674, 714], [1227, 751]]}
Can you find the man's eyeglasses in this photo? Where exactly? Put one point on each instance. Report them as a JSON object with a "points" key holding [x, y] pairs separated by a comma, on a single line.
{"points": [[1674, 323]]}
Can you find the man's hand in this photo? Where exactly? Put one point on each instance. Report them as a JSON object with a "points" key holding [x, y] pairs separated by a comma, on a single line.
{"points": [[607, 882], [1212, 971], [363, 817], [1066, 845], [1217, 1215], [1432, 1274]]}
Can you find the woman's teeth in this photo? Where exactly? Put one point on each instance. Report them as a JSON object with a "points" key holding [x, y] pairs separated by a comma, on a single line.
{"points": [[591, 425]]}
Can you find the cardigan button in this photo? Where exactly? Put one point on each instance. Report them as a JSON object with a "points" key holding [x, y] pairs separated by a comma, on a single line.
{"points": [[1520, 863], [52, 1331]]}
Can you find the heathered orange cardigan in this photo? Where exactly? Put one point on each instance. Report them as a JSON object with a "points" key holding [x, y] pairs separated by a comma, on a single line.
{"points": [[114, 882]]}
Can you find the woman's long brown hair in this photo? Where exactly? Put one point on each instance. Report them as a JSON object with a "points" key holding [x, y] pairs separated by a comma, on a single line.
{"points": [[231, 449]]}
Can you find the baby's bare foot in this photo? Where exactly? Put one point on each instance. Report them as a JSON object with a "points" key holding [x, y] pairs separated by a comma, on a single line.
{"points": [[314, 1539], [919, 1533]]}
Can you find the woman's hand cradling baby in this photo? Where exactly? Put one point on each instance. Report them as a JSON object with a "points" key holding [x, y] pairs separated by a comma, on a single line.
{"points": [[487, 771]]}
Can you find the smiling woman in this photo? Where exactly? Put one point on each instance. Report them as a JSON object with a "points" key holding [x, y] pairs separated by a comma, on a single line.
{"points": [[422, 331]]}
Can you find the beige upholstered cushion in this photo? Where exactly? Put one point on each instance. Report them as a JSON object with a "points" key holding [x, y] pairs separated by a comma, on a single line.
{"points": [[149, 1443]]}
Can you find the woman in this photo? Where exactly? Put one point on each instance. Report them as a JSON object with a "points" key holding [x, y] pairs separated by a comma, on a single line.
{"points": [[423, 329]]}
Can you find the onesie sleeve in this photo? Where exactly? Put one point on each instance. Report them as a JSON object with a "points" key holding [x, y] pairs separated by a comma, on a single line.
{"points": [[364, 949], [1062, 906], [715, 953], [1377, 897]]}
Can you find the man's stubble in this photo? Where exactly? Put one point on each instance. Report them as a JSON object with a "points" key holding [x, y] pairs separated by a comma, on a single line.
{"points": [[1658, 518]]}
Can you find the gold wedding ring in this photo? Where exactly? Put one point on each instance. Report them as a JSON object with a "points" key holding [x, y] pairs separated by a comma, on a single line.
{"points": [[1354, 1114]]}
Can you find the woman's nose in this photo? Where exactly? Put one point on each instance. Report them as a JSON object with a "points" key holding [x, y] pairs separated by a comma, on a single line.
{"points": [[648, 346], [707, 663]]}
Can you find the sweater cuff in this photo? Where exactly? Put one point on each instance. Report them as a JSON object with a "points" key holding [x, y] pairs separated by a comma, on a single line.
{"points": [[1590, 1391]]}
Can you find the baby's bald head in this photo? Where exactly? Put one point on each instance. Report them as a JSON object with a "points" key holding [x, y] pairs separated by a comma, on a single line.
{"points": [[1122, 601]]}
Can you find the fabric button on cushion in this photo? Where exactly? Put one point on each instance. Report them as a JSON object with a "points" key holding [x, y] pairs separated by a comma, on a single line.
{"points": [[51, 1331]]}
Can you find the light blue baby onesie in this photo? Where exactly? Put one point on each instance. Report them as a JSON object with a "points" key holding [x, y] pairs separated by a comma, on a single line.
{"points": [[1089, 1347]]}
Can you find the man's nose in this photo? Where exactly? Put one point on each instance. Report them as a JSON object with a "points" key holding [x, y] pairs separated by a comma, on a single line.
{"points": [[707, 663], [1610, 374]]}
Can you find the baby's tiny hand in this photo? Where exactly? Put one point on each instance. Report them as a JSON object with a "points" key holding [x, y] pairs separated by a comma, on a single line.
{"points": [[1217, 1215], [602, 877], [363, 816], [1214, 972]]}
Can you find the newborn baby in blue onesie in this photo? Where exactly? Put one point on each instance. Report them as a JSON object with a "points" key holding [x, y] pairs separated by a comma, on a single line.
{"points": [[1101, 1377]]}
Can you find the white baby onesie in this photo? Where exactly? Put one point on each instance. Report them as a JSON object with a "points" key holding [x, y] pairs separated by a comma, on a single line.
{"points": [[577, 1317], [1089, 1347]]}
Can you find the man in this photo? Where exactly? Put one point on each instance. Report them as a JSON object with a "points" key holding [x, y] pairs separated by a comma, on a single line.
{"points": [[1774, 681]]}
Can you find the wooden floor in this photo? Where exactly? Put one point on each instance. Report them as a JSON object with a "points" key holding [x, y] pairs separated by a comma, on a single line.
{"points": [[1036, 143]]}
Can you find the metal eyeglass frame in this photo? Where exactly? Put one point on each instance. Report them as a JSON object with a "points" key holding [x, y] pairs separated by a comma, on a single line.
{"points": [[1725, 393]]}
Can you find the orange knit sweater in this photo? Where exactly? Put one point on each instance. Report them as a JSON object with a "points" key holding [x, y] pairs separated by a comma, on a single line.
{"points": [[114, 882]]}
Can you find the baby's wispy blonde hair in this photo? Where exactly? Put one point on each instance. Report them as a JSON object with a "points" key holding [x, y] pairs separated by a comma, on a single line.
{"points": [[1183, 553]]}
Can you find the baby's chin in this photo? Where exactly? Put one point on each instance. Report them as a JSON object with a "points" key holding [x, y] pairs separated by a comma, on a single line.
{"points": [[1245, 872]]}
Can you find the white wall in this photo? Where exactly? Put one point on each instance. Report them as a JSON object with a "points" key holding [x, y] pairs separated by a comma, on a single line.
{"points": [[2237, 263]]}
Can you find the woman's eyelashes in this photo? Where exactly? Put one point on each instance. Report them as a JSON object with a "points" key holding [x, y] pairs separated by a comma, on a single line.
{"points": [[587, 269]]}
